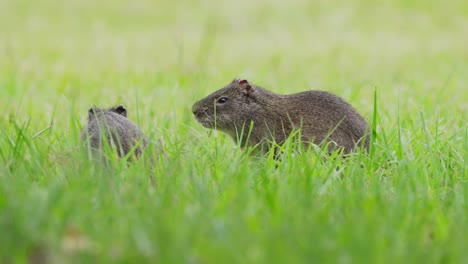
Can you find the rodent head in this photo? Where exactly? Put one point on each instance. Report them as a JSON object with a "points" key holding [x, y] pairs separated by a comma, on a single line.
{"points": [[94, 111], [229, 108]]}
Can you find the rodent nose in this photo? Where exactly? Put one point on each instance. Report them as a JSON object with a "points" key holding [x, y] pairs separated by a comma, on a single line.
{"points": [[199, 112], [196, 110]]}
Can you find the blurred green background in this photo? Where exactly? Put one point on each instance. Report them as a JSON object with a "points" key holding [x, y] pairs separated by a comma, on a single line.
{"points": [[212, 204], [54, 54]]}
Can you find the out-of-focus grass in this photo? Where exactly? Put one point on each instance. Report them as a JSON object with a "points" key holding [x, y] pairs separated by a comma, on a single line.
{"points": [[212, 202]]}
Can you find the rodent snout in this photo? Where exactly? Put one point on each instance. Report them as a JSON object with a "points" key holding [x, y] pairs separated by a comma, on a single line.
{"points": [[198, 111]]}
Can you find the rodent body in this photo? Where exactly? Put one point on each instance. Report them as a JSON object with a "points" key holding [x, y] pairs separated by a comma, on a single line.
{"points": [[320, 116], [113, 126]]}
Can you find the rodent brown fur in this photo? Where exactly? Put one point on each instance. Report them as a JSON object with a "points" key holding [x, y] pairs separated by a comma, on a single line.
{"points": [[320, 116], [113, 125]]}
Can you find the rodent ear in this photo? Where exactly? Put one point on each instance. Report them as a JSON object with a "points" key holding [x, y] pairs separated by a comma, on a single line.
{"points": [[121, 110], [91, 113], [245, 87], [242, 82]]}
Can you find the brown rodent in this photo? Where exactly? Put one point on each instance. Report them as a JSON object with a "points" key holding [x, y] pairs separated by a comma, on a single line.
{"points": [[320, 116], [113, 126]]}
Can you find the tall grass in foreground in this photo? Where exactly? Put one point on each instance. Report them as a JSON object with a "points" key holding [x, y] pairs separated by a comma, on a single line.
{"points": [[213, 203], [208, 201]]}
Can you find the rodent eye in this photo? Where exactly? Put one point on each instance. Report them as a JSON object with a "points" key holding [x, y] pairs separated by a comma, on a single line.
{"points": [[222, 100]]}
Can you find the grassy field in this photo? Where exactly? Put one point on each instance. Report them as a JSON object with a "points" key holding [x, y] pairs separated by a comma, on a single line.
{"points": [[405, 202]]}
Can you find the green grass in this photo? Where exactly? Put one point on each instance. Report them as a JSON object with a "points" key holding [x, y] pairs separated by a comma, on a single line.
{"points": [[402, 64]]}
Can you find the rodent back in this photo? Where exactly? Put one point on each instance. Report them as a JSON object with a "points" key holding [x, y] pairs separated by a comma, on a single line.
{"points": [[316, 104], [319, 113], [113, 126]]}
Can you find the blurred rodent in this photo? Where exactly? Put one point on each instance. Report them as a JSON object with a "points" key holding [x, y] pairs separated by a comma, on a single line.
{"points": [[112, 125], [322, 117]]}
